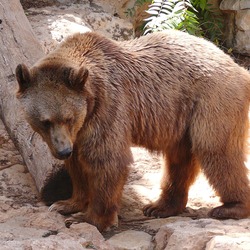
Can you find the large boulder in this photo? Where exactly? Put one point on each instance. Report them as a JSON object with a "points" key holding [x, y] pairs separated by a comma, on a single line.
{"points": [[238, 35]]}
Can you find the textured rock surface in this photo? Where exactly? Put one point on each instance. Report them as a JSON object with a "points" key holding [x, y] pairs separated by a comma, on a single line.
{"points": [[118, 7], [241, 46], [203, 234], [234, 241], [234, 4], [240, 24], [52, 24], [243, 20], [131, 240], [230, 5]]}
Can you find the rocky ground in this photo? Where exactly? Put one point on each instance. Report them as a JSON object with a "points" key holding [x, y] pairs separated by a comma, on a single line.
{"points": [[25, 222]]}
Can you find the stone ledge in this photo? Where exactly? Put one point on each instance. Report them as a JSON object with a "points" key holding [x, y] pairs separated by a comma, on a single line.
{"points": [[242, 20], [234, 5], [241, 46]]}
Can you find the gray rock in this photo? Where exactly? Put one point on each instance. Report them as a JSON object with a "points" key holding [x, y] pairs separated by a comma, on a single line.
{"points": [[52, 243], [240, 26], [234, 5], [131, 240], [228, 242], [63, 21], [230, 5], [203, 234], [92, 236], [118, 7], [243, 20], [244, 4], [243, 42]]}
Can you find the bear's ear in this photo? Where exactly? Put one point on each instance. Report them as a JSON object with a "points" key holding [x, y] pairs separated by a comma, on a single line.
{"points": [[76, 78], [23, 77]]}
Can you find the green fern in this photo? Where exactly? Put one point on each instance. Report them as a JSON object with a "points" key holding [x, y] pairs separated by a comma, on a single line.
{"points": [[172, 14], [196, 17], [211, 21]]}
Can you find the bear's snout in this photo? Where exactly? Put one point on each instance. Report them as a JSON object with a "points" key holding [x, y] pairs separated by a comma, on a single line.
{"points": [[60, 141], [64, 154]]}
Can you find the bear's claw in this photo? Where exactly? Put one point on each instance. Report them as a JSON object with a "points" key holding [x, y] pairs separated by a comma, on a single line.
{"points": [[75, 219], [52, 208], [161, 210], [66, 207]]}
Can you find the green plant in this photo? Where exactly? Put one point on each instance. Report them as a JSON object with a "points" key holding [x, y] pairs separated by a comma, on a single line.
{"points": [[172, 14], [211, 20], [196, 17]]}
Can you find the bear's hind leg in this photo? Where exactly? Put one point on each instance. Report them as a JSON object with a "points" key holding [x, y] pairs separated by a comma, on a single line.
{"points": [[218, 138], [218, 129], [227, 174], [181, 171]]}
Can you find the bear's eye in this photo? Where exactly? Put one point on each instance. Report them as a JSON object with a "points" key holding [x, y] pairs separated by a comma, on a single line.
{"points": [[46, 124], [69, 120]]}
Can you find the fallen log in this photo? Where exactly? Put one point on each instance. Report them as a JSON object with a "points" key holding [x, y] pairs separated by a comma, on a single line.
{"points": [[18, 44]]}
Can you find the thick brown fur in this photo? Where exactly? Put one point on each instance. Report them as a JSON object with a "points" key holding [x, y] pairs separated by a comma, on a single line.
{"points": [[170, 92]]}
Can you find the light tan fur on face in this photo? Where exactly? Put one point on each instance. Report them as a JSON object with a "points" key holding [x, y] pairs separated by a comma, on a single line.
{"points": [[53, 118], [168, 92]]}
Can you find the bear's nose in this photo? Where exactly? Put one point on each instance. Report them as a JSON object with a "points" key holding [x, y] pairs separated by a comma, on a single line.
{"points": [[65, 153]]}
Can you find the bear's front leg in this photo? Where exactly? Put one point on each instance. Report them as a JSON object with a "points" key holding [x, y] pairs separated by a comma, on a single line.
{"points": [[79, 200], [106, 184]]}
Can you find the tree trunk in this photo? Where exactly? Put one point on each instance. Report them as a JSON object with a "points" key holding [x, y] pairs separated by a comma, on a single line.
{"points": [[19, 45]]}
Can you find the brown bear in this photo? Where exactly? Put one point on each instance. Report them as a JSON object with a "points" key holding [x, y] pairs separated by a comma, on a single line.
{"points": [[170, 92]]}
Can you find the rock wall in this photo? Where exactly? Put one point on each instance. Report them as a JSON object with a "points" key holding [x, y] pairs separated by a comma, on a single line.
{"points": [[116, 8], [51, 24], [237, 18], [238, 25]]}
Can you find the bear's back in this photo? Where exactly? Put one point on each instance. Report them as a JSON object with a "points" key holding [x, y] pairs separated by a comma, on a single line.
{"points": [[181, 48]]}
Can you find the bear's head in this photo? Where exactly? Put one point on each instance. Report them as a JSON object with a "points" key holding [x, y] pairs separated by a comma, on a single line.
{"points": [[54, 101]]}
